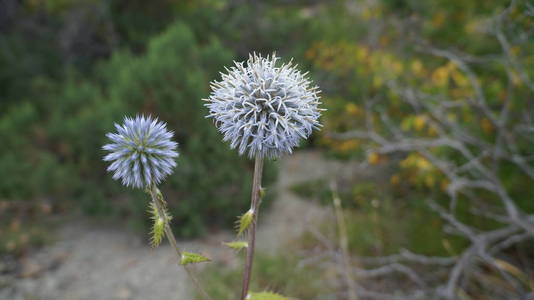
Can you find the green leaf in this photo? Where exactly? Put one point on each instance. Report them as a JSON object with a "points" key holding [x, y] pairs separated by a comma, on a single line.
{"points": [[192, 258], [266, 296], [158, 226], [244, 221], [237, 245], [157, 233], [262, 192]]}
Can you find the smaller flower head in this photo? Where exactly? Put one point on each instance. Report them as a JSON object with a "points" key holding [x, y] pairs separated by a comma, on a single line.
{"points": [[142, 152], [264, 108]]}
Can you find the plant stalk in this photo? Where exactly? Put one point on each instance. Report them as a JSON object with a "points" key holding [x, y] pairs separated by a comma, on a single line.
{"points": [[343, 242], [255, 206], [159, 202]]}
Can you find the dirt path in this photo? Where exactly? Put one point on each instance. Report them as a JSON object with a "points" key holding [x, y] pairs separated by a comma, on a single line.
{"points": [[93, 261]]}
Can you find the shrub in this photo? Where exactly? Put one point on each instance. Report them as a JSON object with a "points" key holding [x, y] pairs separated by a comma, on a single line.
{"points": [[56, 139]]}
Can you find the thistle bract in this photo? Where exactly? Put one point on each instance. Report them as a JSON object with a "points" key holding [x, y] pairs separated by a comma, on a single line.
{"points": [[141, 152], [264, 109]]}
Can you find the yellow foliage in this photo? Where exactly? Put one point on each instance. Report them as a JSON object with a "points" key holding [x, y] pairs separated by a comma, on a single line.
{"points": [[374, 158], [417, 68], [375, 61], [516, 80], [326, 141], [432, 130], [406, 123], [416, 161], [444, 184], [471, 27], [438, 19], [384, 40], [311, 53], [460, 79], [440, 76], [467, 115], [451, 117], [458, 93], [451, 66], [394, 98], [362, 53], [377, 82], [395, 179], [429, 180], [386, 61], [369, 12], [419, 122], [423, 164], [353, 109], [347, 146], [486, 125], [515, 50], [397, 67]]}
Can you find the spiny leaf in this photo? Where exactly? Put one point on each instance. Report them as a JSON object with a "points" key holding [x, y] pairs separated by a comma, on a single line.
{"points": [[157, 233], [158, 226], [244, 221], [266, 296], [192, 258], [236, 245]]}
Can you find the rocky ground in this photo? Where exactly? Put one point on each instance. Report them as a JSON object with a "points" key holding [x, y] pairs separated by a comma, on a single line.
{"points": [[104, 261]]}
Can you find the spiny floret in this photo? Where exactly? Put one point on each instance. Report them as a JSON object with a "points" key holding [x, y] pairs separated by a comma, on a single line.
{"points": [[264, 109], [142, 152]]}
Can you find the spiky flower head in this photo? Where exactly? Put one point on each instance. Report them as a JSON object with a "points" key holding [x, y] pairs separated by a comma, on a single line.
{"points": [[142, 152], [263, 108]]}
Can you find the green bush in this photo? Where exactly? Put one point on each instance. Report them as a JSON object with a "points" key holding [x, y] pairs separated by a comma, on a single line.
{"points": [[54, 142]]}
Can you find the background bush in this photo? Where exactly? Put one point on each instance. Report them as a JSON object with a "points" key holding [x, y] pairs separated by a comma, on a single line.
{"points": [[53, 142]]}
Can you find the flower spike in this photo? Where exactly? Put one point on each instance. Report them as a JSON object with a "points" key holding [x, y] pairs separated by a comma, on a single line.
{"points": [[141, 151], [262, 108]]}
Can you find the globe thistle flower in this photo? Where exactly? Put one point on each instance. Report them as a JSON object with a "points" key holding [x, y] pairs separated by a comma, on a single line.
{"points": [[142, 152], [264, 109]]}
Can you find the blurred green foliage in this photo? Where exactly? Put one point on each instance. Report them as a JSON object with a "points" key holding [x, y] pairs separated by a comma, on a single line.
{"points": [[280, 274], [53, 141]]}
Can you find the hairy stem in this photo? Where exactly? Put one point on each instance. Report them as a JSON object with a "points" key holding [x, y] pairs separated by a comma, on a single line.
{"points": [[254, 206], [159, 202]]}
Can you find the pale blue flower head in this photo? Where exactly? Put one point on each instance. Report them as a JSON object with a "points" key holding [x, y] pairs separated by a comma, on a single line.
{"points": [[141, 151], [264, 108]]}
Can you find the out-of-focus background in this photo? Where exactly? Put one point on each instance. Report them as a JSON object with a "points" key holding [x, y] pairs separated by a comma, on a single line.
{"points": [[419, 185]]}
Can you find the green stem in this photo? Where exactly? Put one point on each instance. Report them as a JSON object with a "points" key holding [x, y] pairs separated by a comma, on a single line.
{"points": [[159, 203], [255, 207]]}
